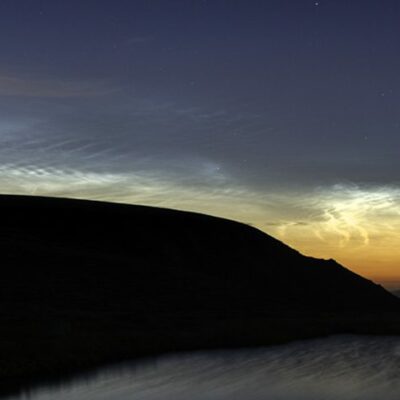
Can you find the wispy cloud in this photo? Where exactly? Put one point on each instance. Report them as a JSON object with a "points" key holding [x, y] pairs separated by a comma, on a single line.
{"points": [[345, 216], [357, 225], [13, 85]]}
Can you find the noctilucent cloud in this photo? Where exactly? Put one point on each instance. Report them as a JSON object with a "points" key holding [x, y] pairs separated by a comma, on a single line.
{"points": [[284, 114]]}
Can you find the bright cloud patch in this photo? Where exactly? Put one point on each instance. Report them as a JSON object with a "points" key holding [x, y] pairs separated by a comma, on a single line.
{"points": [[358, 226]]}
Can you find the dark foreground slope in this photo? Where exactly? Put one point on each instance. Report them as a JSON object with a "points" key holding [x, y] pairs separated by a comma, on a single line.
{"points": [[83, 283]]}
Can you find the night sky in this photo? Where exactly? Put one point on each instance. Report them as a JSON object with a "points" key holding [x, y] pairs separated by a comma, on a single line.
{"points": [[283, 114]]}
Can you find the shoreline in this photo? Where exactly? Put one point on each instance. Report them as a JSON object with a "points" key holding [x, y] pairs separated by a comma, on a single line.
{"points": [[24, 384], [85, 284]]}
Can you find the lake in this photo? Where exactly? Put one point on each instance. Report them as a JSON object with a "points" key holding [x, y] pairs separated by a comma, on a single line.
{"points": [[338, 367]]}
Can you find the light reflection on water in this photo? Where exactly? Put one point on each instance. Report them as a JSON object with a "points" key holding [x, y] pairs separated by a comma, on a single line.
{"points": [[341, 367]]}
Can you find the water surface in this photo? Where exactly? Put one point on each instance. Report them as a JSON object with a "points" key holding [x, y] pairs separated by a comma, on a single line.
{"points": [[339, 368]]}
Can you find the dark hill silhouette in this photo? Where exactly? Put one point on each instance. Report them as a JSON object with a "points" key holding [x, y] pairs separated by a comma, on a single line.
{"points": [[83, 283]]}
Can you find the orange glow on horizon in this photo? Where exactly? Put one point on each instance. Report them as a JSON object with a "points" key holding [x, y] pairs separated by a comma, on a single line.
{"points": [[357, 226]]}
